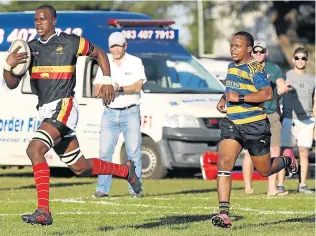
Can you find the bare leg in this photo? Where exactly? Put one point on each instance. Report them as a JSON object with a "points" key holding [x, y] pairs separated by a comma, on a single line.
{"points": [[272, 190], [267, 166], [228, 152], [247, 170], [304, 165], [281, 177], [68, 150], [45, 138]]}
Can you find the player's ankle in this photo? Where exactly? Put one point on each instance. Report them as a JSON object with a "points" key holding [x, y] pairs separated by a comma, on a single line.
{"points": [[43, 210], [225, 212], [224, 207]]}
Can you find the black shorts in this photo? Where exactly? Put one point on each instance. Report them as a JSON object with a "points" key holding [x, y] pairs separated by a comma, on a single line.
{"points": [[254, 136]]}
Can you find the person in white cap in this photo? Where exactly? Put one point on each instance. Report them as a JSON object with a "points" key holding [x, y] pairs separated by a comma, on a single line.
{"points": [[122, 115], [274, 74]]}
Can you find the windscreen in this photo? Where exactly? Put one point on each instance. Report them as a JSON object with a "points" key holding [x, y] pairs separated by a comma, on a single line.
{"points": [[176, 74]]}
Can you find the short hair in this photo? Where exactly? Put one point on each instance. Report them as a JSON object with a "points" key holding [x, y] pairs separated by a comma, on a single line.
{"points": [[50, 8], [302, 50], [247, 36]]}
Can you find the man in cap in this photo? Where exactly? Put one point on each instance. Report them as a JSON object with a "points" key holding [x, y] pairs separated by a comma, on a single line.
{"points": [[122, 115], [274, 74]]}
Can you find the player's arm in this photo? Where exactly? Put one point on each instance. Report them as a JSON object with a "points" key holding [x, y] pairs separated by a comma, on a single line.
{"points": [[103, 60], [264, 91], [10, 62], [264, 94], [104, 64], [105, 88]]}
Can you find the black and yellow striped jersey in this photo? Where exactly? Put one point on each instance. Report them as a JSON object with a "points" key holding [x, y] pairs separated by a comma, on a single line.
{"points": [[53, 62], [245, 79]]}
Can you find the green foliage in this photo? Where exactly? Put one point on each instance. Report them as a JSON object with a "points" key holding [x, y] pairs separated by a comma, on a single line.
{"points": [[59, 5]]}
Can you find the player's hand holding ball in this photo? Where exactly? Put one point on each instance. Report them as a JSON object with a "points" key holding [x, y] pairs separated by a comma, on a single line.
{"points": [[19, 58], [16, 58]]}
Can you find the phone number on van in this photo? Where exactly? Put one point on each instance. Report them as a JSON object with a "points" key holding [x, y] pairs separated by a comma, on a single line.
{"points": [[9, 35], [149, 34]]}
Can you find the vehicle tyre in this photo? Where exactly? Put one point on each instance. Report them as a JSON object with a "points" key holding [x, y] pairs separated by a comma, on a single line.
{"points": [[152, 164]]}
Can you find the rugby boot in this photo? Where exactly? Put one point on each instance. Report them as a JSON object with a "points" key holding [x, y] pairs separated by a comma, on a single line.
{"points": [[40, 217], [221, 220], [132, 178], [293, 168]]}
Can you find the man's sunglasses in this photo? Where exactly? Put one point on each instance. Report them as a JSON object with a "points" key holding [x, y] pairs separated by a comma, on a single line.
{"points": [[258, 51], [296, 58]]}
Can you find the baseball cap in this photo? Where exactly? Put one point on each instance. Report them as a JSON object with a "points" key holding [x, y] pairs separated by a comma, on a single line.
{"points": [[260, 43], [117, 38]]}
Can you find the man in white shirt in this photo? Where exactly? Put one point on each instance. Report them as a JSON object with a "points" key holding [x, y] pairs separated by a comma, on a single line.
{"points": [[123, 114]]}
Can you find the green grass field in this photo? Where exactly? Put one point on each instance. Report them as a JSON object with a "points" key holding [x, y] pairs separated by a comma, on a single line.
{"points": [[170, 207]]}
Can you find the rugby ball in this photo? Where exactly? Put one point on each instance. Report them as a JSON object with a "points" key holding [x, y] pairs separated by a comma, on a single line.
{"points": [[21, 69]]}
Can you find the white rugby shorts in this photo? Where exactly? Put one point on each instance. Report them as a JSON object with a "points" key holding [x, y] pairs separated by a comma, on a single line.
{"points": [[297, 132], [64, 110]]}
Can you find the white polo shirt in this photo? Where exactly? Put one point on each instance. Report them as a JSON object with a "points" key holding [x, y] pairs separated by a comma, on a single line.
{"points": [[127, 73]]}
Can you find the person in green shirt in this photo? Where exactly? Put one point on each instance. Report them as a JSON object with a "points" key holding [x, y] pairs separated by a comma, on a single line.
{"points": [[274, 73]]}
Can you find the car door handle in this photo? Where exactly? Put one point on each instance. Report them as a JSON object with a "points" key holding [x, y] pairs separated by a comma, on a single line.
{"points": [[83, 104]]}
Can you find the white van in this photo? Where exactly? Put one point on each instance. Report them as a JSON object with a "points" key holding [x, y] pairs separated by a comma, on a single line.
{"points": [[179, 119]]}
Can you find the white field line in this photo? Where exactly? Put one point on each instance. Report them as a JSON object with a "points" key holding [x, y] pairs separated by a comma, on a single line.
{"points": [[249, 210], [157, 214], [128, 198]]}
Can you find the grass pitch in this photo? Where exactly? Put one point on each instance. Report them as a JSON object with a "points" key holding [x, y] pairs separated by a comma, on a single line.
{"points": [[170, 207]]}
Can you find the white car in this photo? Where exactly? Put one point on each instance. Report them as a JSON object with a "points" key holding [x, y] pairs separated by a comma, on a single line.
{"points": [[216, 65]]}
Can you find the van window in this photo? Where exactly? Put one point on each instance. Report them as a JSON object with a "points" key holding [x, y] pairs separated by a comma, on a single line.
{"points": [[166, 74], [171, 74]]}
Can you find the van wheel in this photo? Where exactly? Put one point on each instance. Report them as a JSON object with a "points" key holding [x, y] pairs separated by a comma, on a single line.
{"points": [[152, 165]]}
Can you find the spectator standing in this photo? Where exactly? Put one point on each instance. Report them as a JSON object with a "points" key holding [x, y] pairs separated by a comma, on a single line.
{"points": [[122, 115], [298, 122], [274, 75]]}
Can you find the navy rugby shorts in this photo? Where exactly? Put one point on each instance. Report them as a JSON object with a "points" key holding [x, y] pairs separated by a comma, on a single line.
{"points": [[254, 136]]}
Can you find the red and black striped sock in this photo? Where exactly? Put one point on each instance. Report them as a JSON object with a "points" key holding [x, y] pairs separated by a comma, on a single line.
{"points": [[41, 176], [108, 168]]}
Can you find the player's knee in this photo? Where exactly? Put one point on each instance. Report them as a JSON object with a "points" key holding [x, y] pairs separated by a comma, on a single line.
{"points": [[264, 173], [83, 169], [83, 172], [222, 163], [34, 151]]}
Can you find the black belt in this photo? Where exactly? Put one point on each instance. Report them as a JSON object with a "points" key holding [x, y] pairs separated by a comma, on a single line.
{"points": [[122, 108]]}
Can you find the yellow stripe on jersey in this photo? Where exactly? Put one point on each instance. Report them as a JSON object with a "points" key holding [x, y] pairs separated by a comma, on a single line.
{"points": [[52, 69], [81, 46], [239, 109], [255, 67], [64, 106], [249, 87], [238, 72], [250, 119]]}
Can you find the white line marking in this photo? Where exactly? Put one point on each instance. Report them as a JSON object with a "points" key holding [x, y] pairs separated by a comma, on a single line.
{"points": [[158, 206]]}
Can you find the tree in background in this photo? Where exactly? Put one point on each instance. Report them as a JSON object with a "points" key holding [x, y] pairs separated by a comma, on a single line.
{"points": [[296, 19]]}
